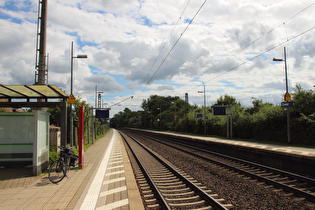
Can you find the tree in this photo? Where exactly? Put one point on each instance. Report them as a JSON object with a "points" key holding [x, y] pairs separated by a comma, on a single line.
{"points": [[257, 106], [227, 100], [303, 102], [55, 114], [303, 116]]}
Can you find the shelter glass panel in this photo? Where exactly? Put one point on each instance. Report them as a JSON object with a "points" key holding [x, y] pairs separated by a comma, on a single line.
{"points": [[16, 136]]}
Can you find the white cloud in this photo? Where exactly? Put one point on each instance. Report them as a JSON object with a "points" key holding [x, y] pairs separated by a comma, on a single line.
{"points": [[123, 38]]}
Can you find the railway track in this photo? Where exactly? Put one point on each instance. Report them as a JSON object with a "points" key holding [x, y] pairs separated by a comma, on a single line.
{"points": [[165, 187], [290, 182]]}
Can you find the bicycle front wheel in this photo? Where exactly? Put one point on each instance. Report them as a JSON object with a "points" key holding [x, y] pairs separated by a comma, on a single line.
{"points": [[57, 171]]}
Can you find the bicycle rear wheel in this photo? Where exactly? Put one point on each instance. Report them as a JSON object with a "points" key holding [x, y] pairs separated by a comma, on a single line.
{"points": [[57, 171]]}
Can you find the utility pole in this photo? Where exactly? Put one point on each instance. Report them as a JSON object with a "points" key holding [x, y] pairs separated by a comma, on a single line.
{"points": [[41, 75], [287, 96], [72, 110]]}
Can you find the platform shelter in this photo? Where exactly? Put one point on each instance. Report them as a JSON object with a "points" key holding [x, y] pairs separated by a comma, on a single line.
{"points": [[24, 137]]}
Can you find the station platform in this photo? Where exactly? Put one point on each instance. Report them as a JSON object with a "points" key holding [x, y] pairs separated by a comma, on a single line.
{"points": [[105, 182], [285, 149]]}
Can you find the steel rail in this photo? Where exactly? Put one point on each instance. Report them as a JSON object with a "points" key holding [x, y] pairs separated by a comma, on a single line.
{"points": [[214, 204], [163, 203]]}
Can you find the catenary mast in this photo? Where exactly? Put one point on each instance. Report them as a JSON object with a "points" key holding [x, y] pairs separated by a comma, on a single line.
{"points": [[41, 75]]}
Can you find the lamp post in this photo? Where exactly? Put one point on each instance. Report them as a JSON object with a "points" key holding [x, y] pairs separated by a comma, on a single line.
{"points": [[287, 96], [204, 105], [72, 105]]}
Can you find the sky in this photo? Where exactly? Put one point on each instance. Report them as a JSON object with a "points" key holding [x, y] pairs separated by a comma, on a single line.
{"points": [[160, 47]]}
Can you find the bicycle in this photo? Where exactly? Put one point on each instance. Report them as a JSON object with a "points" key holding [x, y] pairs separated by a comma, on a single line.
{"points": [[59, 168]]}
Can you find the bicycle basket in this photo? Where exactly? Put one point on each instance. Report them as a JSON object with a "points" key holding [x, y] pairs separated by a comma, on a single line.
{"points": [[73, 160]]}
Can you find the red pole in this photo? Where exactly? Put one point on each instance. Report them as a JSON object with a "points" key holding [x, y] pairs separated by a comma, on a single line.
{"points": [[81, 133]]}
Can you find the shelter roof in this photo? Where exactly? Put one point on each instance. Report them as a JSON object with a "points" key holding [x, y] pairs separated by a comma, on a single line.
{"points": [[28, 92]]}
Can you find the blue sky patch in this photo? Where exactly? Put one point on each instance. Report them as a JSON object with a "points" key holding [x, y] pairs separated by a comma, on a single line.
{"points": [[187, 20], [83, 43], [18, 6], [7, 17], [230, 84], [14, 6]]}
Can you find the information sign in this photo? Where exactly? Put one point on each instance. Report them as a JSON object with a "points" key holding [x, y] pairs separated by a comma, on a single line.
{"points": [[218, 110], [198, 115], [104, 114]]}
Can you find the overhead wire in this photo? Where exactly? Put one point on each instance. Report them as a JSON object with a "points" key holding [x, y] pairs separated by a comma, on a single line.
{"points": [[251, 43], [166, 41], [242, 49], [258, 55], [181, 35], [174, 45]]}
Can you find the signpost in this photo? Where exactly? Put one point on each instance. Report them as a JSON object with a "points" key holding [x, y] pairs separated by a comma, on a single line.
{"points": [[198, 115], [287, 96]]}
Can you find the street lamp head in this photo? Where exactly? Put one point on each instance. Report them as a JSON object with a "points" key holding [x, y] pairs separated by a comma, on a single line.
{"points": [[81, 56], [277, 59]]}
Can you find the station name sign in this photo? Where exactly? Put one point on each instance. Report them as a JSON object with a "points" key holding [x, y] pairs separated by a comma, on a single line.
{"points": [[287, 104]]}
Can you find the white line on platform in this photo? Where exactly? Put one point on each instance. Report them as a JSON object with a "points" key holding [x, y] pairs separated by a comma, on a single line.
{"points": [[116, 190], [114, 180], [91, 197], [114, 205], [115, 173], [115, 167]]}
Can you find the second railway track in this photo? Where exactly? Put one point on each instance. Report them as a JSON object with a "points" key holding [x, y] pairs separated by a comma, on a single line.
{"points": [[300, 185]]}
